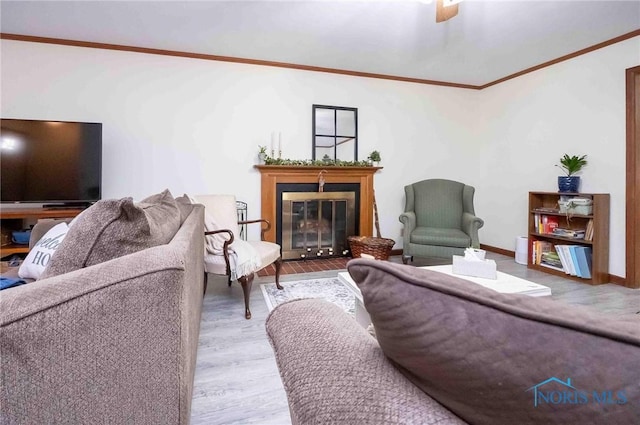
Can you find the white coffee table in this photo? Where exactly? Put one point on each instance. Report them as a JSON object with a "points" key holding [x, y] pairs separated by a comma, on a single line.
{"points": [[505, 283]]}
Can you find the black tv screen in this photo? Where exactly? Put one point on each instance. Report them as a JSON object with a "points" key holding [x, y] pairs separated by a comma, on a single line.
{"points": [[50, 161]]}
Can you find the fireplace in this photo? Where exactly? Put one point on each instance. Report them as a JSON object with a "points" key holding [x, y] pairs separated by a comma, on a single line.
{"points": [[279, 179], [316, 224]]}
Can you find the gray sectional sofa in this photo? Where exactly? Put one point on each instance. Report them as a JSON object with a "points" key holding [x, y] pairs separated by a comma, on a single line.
{"points": [[448, 351], [100, 340]]}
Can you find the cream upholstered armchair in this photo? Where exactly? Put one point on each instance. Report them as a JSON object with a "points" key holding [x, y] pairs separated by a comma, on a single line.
{"points": [[227, 254], [439, 219]]}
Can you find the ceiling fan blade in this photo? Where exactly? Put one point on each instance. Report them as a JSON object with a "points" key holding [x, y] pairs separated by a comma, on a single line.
{"points": [[446, 9]]}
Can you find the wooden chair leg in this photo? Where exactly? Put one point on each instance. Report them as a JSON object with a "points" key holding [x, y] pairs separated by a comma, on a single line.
{"points": [[206, 278], [246, 282], [278, 265]]}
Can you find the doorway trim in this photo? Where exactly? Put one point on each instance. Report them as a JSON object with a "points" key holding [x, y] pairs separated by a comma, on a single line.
{"points": [[632, 235]]}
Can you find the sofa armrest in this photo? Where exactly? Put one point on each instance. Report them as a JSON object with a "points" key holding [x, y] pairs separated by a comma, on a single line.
{"points": [[96, 345], [333, 371]]}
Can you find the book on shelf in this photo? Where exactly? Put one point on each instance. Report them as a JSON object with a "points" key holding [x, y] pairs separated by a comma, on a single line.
{"points": [[538, 249], [549, 223], [566, 264], [582, 259], [566, 250], [545, 224], [546, 254], [574, 259], [551, 259], [569, 233], [583, 255], [588, 234], [547, 210]]}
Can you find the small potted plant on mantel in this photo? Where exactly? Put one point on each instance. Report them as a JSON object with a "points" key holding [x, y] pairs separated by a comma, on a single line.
{"points": [[374, 157], [570, 165], [262, 154]]}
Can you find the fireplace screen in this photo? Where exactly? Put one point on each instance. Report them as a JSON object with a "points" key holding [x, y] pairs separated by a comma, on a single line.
{"points": [[317, 224]]}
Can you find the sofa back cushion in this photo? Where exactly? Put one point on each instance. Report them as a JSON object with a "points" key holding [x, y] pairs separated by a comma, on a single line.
{"points": [[185, 206], [115, 227], [502, 359]]}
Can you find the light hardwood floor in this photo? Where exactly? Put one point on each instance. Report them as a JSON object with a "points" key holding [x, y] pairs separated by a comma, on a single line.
{"points": [[237, 381]]}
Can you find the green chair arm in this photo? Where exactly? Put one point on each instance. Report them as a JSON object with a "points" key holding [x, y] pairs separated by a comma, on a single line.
{"points": [[470, 225], [409, 220]]}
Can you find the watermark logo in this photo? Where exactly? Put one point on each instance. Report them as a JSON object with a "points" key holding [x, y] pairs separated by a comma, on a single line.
{"points": [[555, 391]]}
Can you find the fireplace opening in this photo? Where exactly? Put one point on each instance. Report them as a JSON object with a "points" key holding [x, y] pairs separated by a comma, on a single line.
{"points": [[314, 224]]}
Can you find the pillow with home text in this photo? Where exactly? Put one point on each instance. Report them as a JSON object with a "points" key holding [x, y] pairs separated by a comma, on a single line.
{"points": [[39, 256]]}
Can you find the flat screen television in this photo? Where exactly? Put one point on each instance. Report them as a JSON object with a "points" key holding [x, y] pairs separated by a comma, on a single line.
{"points": [[50, 162]]}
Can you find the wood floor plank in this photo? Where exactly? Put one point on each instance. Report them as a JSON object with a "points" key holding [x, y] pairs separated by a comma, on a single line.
{"points": [[237, 380]]}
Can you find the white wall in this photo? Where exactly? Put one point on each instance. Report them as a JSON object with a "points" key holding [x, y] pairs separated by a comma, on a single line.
{"points": [[528, 123], [194, 126]]}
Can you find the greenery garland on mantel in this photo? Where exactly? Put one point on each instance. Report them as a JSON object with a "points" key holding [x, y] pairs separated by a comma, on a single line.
{"points": [[317, 163]]}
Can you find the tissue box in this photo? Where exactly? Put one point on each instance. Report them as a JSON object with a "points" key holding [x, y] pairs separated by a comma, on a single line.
{"points": [[485, 269], [479, 253]]}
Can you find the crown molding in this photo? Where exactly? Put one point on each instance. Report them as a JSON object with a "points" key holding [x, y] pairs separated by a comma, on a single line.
{"points": [[78, 43], [581, 52], [106, 46]]}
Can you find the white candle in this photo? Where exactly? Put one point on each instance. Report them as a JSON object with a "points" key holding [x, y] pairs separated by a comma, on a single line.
{"points": [[280, 142], [273, 141]]}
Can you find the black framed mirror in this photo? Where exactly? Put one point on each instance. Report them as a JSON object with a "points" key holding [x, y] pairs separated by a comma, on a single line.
{"points": [[335, 133]]}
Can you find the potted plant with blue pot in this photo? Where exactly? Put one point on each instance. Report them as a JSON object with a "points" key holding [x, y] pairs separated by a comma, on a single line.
{"points": [[570, 165]]}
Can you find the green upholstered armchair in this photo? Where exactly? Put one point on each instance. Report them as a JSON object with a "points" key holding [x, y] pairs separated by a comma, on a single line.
{"points": [[439, 219]]}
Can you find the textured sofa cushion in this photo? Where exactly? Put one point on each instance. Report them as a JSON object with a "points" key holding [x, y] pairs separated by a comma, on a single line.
{"points": [[502, 359], [115, 227], [335, 373], [163, 216], [185, 206]]}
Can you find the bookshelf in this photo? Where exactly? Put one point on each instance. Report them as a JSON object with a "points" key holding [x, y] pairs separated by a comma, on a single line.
{"points": [[545, 215]]}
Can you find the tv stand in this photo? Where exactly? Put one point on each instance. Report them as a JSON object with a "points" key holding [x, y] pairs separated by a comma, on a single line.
{"points": [[18, 219], [67, 206]]}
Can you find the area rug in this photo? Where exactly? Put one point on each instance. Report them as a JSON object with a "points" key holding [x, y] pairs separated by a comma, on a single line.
{"points": [[330, 289]]}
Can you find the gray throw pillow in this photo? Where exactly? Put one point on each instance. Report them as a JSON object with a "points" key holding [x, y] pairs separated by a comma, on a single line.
{"points": [[185, 206], [113, 228], [163, 215], [502, 359]]}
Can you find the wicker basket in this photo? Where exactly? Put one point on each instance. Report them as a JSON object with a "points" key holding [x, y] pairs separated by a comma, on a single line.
{"points": [[380, 248]]}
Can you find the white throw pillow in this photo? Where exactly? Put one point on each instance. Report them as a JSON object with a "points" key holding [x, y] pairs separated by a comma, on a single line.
{"points": [[37, 259]]}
